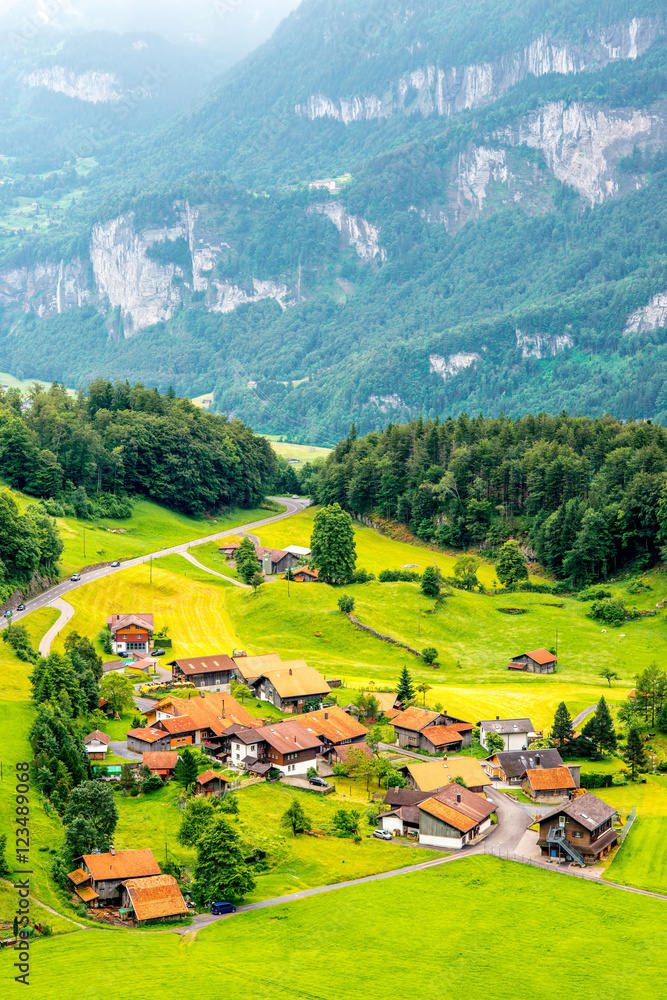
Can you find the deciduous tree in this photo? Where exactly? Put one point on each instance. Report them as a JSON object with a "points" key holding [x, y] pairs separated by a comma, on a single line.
{"points": [[333, 550], [295, 819], [195, 819], [511, 566], [220, 871]]}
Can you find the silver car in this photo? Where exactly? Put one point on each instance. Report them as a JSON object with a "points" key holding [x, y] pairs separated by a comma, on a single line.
{"points": [[382, 834]]}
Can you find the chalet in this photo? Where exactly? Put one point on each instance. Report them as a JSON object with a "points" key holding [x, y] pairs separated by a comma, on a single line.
{"points": [[215, 673], [515, 732], [131, 633], [100, 877], [548, 784], [410, 729], [334, 728], [402, 821], [292, 686], [96, 745], [539, 661], [447, 739], [454, 817], [305, 575], [286, 746], [580, 831], [212, 712], [169, 734], [156, 897], [211, 784], [161, 762], [429, 775], [148, 738], [510, 766]]}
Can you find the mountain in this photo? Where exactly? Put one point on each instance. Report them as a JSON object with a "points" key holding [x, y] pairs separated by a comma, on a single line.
{"points": [[385, 210]]}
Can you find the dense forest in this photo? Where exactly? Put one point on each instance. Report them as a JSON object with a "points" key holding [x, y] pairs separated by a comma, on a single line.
{"points": [[93, 452], [585, 497]]}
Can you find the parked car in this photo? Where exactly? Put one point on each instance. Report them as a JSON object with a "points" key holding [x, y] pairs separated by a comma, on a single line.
{"points": [[224, 907], [320, 782], [75, 577], [8, 614], [21, 607], [295, 496], [382, 834], [115, 565], [158, 652]]}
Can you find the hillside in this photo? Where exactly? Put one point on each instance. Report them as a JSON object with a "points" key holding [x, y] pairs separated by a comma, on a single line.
{"points": [[383, 211]]}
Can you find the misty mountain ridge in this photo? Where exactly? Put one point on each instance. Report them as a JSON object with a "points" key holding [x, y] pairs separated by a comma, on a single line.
{"points": [[383, 211]]}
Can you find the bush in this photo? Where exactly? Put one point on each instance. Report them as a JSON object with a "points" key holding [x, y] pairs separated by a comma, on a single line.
{"points": [[152, 784], [346, 604], [611, 611], [430, 655], [594, 594], [593, 779], [362, 576], [398, 576]]}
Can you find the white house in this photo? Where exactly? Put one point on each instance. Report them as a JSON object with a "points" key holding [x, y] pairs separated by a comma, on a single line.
{"points": [[131, 634], [96, 745], [514, 732], [454, 817], [285, 746]]}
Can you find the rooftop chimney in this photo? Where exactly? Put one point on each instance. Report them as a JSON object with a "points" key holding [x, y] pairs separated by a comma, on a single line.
{"points": [[112, 850], [326, 715], [290, 671], [458, 796]]}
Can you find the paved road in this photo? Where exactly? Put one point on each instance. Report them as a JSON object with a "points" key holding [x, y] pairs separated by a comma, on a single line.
{"points": [[119, 748], [66, 614], [48, 598], [513, 821], [195, 562], [578, 719]]}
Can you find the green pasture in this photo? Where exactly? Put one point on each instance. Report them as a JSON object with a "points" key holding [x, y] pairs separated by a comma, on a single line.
{"points": [[641, 861], [302, 452], [358, 941]]}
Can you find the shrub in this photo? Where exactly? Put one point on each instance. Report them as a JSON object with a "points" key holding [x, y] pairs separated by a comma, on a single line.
{"points": [[398, 576], [611, 611], [362, 576], [430, 655], [346, 604], [594, 594]]}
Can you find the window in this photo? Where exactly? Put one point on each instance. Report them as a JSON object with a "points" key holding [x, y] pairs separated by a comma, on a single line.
{"points": [[577, 833]]}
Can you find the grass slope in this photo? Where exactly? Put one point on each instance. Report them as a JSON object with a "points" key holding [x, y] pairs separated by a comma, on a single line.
{"points": [[642, 860], [359, 941]]}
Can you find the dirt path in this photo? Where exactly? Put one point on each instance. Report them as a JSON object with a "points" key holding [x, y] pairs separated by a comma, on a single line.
{"points": [[66, 614]]}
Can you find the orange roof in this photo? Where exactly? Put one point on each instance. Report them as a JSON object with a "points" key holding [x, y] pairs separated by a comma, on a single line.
{"points": [[162, 759], [295, 679], [392, 713], [306, 571], [180, 724], [448, 814], [147, 735], [155, 897], [87, 894], [332, 723], [463, 815], [122, 864], [545, 778], [414, 718], [216, 711], [254, 666], [209, 776], [78, 876], [542, 656], [441, 736]]}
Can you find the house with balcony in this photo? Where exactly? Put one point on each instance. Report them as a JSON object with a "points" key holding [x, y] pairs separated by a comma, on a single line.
{"points": [[435, 732], [285, 746], [131, 633], [581, 831]]}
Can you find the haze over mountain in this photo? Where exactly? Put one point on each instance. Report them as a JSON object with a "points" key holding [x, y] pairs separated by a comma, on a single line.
{"points": [[491, 236]]}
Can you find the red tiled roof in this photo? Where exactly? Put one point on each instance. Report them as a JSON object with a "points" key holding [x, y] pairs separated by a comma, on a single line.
{"points": [[181, 724], [333, 723], [97, 735], [78, 876], [122, 864], [163, 760], [207, 776], [116, 622], [441, 736], [545, 778], [147, 735], [155, 897], [463, 815], [285, 737], [542, 656], [87, 894], [415, 719]]}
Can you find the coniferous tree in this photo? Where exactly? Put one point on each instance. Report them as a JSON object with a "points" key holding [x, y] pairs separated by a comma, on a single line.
{"points": [[333, 550], [562, 728], [661, 721], [405, 690], [634, 754], [246, 560], [220, 871], [185, 772], [430, 582], [600, 728]]}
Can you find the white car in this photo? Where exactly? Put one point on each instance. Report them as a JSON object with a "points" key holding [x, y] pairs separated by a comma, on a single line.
{"points": [[382, 834]]}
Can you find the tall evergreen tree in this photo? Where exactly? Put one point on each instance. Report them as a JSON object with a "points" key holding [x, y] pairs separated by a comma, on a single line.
{"points": [[246, 560], [333, 551], [634, 754], [185, 772], [562, 729], [220, 871], [405, 690], [600, 728]]}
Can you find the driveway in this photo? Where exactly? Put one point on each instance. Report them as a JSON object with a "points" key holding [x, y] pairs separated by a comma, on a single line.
{"points": [[119, 748], [513, 821]]}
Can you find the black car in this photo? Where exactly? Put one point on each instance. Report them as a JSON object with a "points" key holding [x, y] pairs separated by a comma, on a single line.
{"points": [[158, 652], [218, 908], [21, 607], [320, 782]]}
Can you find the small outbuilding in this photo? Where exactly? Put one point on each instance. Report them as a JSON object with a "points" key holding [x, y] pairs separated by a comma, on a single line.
{"points": [[548, 784], [211, 784], [539, 661], [96, 745]]}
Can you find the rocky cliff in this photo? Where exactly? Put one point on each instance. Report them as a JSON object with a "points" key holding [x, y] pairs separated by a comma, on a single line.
{"points": [[650, 317], [431, 90], [355, 231], [92, 87]]}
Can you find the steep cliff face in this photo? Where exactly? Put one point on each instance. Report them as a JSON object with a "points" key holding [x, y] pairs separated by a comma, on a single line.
{"points": [[356, 232], [542, 345], [431, 90], [650, 317], [47, 289], [583, 144], [225, 297], [449, 367], [92, 87]]}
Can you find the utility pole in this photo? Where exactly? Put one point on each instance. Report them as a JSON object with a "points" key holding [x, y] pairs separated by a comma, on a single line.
{"points": [[419, 617], [151, 568], [556, 643], [84, 541]]}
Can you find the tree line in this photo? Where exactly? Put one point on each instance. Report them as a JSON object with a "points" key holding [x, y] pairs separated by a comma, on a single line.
{"points": [[586, 497]]}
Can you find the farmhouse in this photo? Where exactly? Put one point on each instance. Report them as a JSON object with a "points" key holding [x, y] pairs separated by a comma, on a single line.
{"points": [[539, 661], [548, 784], [454, 817], [334, 728], [214, 673], [148, 738], [291, 686], [581, 831], [210, 784], [250, 668], [287, 746], [410, 729], [270, 561], [341, 753], [510, 766], [514, 732], [131, 633], [100, 877], [161, 762], [428, 776], [213, 712], [154, 898], [387, 701], [306, 575], [96, 745]]}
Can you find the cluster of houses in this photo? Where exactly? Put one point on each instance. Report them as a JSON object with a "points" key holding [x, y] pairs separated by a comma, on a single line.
{"points": [[273, 562], [129, 884]]}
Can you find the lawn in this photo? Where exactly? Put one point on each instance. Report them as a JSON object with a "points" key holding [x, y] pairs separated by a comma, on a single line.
{"points": [[642, 860], [360, 940], [150, 529]]}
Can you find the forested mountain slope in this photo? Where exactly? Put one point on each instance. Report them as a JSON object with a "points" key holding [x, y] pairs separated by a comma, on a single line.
{"points": [[490, 236]]}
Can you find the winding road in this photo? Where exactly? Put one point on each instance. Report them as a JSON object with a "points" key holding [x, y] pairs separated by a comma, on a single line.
{"points": [[53, 598]]}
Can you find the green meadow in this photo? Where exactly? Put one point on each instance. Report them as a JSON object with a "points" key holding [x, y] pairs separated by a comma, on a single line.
{"points": [[441, 925]]}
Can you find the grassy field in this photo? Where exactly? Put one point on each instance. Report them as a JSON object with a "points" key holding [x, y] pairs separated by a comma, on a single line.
{"points": [[360, 941], [301, 452], [191, 602], [150, 528], [642, 860]]}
